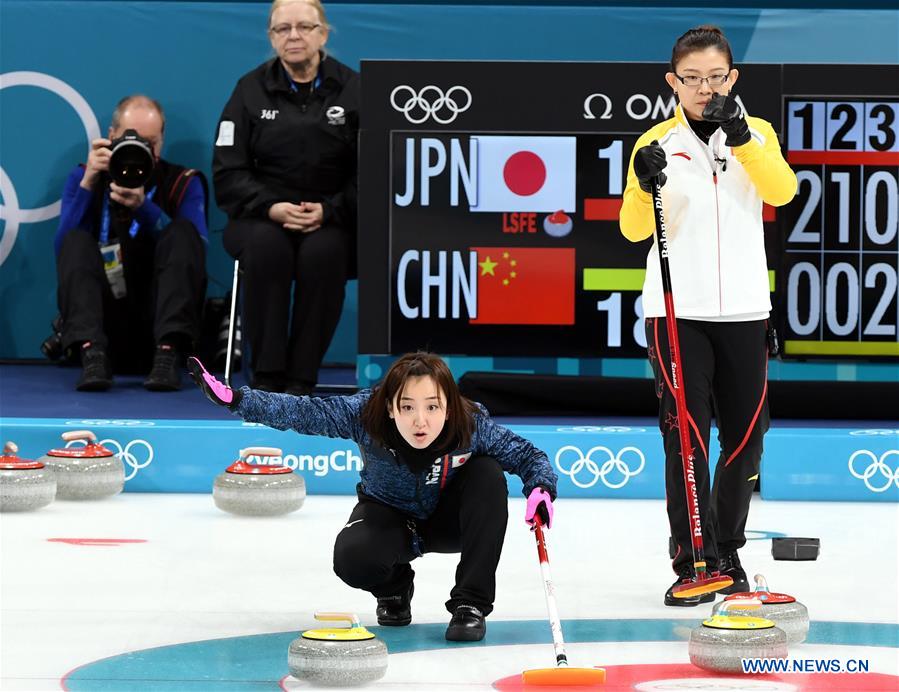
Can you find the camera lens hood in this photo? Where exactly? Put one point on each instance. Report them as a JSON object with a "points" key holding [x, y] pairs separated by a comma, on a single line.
{"points": [[131, 162]]}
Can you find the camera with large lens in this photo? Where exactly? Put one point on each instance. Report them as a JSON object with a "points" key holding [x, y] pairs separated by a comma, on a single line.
{"points": [[132, 161]]}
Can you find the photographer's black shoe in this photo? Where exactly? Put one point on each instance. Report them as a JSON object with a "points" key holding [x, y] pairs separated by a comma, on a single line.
{"points": [[166, 373], [468, 624], [396, 611], [96, 370], [729, 564], [685, 575]]}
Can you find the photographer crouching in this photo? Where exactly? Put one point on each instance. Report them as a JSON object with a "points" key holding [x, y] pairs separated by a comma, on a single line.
{"points": [[130, 255]]}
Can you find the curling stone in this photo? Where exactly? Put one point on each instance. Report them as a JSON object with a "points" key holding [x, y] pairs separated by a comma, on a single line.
{"points": [[782, 609], [259, 489], [87, 472], [337, 657], [723, 640], [24, 484]]}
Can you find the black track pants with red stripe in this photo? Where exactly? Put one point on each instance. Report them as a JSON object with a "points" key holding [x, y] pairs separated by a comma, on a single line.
{"points": [[724, 373]]}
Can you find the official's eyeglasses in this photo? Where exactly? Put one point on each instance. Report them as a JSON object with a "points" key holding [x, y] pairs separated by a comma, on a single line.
{"points": [[692, 80], [303, 29]]}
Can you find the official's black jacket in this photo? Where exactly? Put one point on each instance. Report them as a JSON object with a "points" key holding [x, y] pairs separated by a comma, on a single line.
{"points": [[275, 144]]}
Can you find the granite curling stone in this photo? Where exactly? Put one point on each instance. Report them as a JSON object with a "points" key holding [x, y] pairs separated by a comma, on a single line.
{"points": [[782, 609], [24, 484], [86, 472], [261, 489], [722, 641], [338, 657]]}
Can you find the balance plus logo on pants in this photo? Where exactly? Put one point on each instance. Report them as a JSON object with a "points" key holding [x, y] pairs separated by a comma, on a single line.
{"points": [[339, 460]]}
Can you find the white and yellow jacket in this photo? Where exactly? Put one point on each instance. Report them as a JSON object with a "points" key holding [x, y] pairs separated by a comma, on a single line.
{"points": [[713, 216]]}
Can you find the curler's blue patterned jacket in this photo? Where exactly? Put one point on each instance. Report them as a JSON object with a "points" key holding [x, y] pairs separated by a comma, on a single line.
{"points": [[384, 477]]}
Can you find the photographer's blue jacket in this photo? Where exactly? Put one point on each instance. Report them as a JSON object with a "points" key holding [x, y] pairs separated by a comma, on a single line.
{"points": [[80, 211], [384, 476]]}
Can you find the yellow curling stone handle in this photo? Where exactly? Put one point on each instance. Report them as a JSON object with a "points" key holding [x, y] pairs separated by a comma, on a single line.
{"points": [[725, 621], [737, 622], [354, 633]]}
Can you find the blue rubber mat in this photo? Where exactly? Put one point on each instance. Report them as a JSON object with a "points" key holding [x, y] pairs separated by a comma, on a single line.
{"points": [[48, 391]]}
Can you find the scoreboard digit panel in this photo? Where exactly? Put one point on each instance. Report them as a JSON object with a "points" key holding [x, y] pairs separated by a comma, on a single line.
{"points": [[838, 287]]}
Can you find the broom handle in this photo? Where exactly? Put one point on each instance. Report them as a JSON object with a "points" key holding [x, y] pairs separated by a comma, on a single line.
{"points": [[677, 382], [554, 622]]}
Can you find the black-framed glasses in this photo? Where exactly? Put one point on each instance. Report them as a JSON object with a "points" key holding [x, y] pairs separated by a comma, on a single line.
{"points": [[692, 80], [303, 29]]}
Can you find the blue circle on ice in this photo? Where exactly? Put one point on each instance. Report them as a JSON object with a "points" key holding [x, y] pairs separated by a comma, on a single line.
{"points": [[259, 662]]}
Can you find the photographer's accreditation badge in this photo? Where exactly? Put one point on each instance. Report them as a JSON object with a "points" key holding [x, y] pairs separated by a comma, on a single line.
{"points": [[115, 271]]}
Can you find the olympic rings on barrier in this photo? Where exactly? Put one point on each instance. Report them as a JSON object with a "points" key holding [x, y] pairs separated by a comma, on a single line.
{"points": [[585, 461], [9, 209], [419, 101], [877, 465], [125, 454]]}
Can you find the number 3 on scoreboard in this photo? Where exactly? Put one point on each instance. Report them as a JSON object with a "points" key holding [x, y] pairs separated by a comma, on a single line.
{"points": [[843, 126]]}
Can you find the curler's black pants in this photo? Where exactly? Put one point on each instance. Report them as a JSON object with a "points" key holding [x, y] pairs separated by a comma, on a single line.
{"points": [[374, 549], [165, 278], [725, 374]]}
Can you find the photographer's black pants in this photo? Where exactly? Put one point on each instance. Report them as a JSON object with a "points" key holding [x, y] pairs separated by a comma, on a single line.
{"points": [[284, 342], [725, 373], [165, 279], [374, 549]]}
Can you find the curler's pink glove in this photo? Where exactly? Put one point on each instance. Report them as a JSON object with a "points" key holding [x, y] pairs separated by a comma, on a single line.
{"points": [[214, 390], [539, 502]]}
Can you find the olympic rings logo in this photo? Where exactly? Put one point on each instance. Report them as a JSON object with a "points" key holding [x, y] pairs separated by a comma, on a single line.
{"points": [[430, 102], [877, 466], [598, 472], [10, 211], [127, 456]]}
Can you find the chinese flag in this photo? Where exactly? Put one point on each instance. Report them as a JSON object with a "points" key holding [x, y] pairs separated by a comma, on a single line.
{"points": [[525, 285]]}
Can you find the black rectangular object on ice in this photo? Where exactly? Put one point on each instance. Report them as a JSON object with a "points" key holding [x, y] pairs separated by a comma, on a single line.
{"points": [[795, 548]]}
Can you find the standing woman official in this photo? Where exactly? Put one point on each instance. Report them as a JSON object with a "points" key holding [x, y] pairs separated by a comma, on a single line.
{"points": [[720, 166], [284, 169]]}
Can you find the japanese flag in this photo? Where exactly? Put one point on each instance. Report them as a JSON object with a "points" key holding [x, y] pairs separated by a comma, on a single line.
{"points": [[525, 173]]}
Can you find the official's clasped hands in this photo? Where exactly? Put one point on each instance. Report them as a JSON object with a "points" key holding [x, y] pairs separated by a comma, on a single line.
{"points": [[304, 217]]}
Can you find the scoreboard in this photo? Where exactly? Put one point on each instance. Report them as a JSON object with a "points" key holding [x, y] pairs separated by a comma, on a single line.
{"points": [[839, 267], [490, 192]]}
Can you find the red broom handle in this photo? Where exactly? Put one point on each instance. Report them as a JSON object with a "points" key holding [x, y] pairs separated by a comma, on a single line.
{"points": [[677, 384]]}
